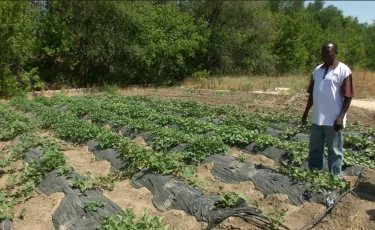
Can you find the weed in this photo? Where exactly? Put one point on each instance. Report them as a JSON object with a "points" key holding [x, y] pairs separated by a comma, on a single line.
{"points": [[228, 199], [218, 93], [242, 158], [232, 90], [276, 217], [88, 183], [126, 220], [111, 89], [94, 205]]}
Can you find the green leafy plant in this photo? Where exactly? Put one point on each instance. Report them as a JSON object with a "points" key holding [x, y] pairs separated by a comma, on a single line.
{"points": [[319, 180], [228, 199], [94, 205], [242, 158], [126, 220], [88, 183], [111, 89], [276, 217]]}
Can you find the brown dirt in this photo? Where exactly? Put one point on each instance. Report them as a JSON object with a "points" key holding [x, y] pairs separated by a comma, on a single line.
{"points": [[3, 181], [4, 145], [139, 141], [82, 161], [289, 103], [366, 104], [258, 159], [351, 212], [10, 170], [38, 212], [126, 196]]}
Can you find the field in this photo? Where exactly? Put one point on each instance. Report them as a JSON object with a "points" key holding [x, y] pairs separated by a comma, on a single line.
{"points": [[185, 158]]}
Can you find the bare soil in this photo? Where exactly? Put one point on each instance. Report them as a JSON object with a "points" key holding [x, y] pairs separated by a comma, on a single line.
{"points": [[82, 161], [37, 212], [294, 103], [257, 159]]}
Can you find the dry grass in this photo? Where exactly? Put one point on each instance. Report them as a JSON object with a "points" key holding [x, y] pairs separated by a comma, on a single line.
{"points": [[250, 83], [364, 83]]}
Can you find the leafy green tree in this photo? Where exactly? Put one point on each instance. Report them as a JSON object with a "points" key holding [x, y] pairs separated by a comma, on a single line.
{"points": [[167, 42], [241, 34], [370, 47], [82, 38], [289, 44], [17, 45]]}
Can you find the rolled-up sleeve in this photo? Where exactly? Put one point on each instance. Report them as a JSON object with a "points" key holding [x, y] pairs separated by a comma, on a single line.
{"points": [[347, 87]]}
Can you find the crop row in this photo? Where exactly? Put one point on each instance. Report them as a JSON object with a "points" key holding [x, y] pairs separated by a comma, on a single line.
{"points": [[142, 118], [165, 138], [21, 184], [69, 126]]}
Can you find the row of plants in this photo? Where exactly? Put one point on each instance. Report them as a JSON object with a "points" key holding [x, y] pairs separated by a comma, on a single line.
{"points": [[42, 113], [21, 183], [119, 114], [167, 137], [23, 179], [12, 123], [195, 109], [146, 118], [300, 150], [69, 126]]}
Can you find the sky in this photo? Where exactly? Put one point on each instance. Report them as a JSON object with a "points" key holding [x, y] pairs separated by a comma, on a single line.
{"points": [[363, 10]]}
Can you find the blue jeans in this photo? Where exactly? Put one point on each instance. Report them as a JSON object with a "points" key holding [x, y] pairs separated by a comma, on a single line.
{"points": [[319, 135]]}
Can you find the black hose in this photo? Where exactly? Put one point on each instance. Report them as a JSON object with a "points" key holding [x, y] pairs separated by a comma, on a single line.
{"points": [[318, 218]]}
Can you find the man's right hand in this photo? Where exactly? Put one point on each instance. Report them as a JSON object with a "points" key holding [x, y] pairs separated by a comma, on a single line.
{"points": [[304, 119]]}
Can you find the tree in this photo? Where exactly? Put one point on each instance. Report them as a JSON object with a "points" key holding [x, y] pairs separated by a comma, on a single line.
{"points": [[82, 38], [17, 45], [167, 43]]}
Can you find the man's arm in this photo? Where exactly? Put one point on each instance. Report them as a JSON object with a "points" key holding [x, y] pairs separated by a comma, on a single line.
{"points": [[348, 92], [309, 102]]}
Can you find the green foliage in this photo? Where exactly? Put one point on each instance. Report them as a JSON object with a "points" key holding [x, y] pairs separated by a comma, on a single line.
{"points": [[111, 89], [18, 47], [88, 183], [126, 221], [318, 180], [200, 75], [276, 217], [228, 200], [242, 158], [94, 205]]}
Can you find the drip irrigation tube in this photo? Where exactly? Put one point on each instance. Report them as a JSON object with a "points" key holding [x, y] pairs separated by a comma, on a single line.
{"points": [[314, 221]]}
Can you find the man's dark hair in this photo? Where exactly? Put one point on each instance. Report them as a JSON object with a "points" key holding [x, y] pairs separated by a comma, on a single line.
{"points": [[331, 44]]}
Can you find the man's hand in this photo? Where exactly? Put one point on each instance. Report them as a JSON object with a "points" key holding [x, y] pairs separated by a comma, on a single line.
{"points": [[304, 119], [338, 123]]}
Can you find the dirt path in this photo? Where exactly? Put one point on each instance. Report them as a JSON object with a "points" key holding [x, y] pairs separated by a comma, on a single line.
{"points": [[250, 101], [365, 104]]}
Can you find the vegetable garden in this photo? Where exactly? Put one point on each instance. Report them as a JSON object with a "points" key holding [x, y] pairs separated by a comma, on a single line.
{"points": [[180, 137]]}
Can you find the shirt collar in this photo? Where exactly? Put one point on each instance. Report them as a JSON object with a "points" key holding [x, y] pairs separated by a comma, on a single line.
{"points": [[333, 66]]}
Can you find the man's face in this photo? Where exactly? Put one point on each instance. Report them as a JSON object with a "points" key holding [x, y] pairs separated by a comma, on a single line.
{"points": [[328, 54]]}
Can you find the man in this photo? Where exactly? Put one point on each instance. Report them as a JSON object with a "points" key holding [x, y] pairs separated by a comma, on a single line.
{"points": [[331, 91]]}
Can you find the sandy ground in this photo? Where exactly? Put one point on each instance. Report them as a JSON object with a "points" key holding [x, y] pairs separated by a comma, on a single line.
{"points": [[365, 104], [265, 101]]}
